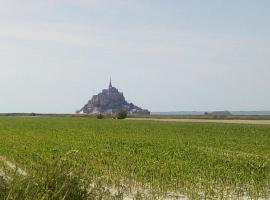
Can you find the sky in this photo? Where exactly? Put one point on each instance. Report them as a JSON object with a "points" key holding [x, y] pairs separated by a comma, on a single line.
{"points": [[170, 55]]}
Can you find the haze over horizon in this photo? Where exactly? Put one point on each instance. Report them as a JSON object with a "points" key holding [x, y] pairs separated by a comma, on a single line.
{"points": [[163, 55]]}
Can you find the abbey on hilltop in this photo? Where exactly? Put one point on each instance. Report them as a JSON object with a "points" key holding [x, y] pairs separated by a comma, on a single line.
{"points": [[110, 101]]}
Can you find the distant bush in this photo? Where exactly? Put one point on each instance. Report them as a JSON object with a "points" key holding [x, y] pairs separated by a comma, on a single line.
{"points": [[122, 114], [100, 116]]}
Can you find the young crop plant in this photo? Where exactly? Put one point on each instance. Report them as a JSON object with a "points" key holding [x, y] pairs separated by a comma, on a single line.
{"points": [[87, 158]]}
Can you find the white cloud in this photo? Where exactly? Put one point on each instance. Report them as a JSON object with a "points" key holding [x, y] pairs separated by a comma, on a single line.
{"points": [[150, 41]]}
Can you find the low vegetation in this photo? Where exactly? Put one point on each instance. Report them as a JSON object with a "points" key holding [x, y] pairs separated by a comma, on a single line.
{"points": [[122, 114], [216, 117], [86, 158], [100, 116]]}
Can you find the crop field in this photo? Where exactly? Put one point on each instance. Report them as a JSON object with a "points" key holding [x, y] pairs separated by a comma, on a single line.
{"points": [[87, 158]]}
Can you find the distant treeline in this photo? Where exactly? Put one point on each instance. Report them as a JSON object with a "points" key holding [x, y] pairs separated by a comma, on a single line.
{"points": [[264, 113], [156, 116], [42, 114], [221, 117]]}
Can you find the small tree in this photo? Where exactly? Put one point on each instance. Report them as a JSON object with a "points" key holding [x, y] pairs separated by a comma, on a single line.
{"points": [[122, 114], [100, 116]]}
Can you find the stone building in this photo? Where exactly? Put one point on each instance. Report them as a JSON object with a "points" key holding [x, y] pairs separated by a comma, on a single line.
{"points": [[110, 101]]}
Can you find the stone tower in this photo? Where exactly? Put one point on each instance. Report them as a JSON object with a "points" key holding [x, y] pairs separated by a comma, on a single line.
{"points": [[110, 85]]}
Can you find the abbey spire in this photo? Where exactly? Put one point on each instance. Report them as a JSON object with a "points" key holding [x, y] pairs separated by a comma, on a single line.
{"points": [[110, 85]]}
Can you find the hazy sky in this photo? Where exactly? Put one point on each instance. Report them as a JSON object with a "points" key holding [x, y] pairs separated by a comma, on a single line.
{"points": [[164, 55]]}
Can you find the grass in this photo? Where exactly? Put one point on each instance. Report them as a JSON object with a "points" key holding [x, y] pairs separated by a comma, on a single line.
{"points": [[72, 157]]}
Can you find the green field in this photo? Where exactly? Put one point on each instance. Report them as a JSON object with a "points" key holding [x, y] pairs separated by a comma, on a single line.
{"points": [[80, 158]]}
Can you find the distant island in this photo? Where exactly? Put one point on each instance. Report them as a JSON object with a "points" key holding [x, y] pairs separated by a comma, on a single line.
{"points": [[110, 101]]}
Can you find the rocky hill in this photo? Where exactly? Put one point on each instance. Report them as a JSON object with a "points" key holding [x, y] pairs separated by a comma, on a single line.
{"points": [[110, 101]]}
